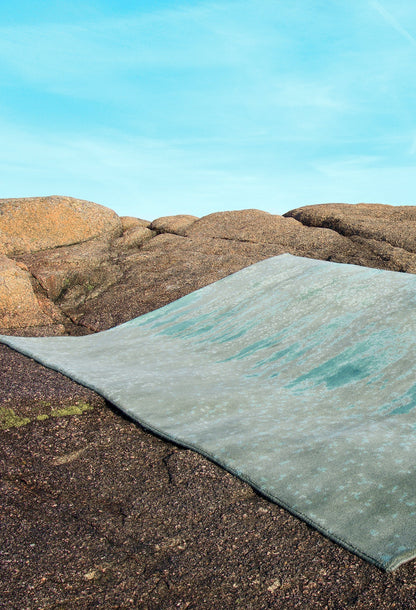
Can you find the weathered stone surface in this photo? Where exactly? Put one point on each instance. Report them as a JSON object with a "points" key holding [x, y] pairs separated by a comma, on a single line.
{"points": [[394, 224], [134, 237], [258, 227], [72, 275], [384, 234], [164, 269], [105, 281], [19, 306], [128, 222], [40, 223], [169, 266], [173, 224]]}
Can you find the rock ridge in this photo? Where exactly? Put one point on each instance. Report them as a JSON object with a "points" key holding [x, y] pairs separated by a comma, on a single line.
{"points": [[99, 513], [69, 266], [389, 232]]}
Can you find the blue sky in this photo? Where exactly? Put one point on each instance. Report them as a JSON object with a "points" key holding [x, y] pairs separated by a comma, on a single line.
{"points": [[167, 107]]}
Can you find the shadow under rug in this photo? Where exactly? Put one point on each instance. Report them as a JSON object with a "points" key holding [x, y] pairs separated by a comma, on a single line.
{"points": [[297, 375]]}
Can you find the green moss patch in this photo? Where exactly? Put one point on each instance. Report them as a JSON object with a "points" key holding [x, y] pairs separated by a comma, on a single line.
{"points": [[77, 409], [9, 419], [42, 417]]}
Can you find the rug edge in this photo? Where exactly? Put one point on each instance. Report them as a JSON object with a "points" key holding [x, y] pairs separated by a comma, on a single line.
{"points": [[387, 566]]}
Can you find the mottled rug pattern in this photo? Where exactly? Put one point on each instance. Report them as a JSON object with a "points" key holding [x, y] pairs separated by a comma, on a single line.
{"points": [[295, 374]]}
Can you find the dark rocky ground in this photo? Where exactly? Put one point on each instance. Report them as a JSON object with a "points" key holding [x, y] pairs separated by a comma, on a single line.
{"points": [[98, 513]]}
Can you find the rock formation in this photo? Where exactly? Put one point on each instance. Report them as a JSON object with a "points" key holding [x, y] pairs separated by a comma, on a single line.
{"points": [[96, 512], [74, 267], [385, 234], [40, 223]]}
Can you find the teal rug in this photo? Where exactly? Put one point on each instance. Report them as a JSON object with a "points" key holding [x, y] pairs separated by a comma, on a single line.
{"points": [[296, 375]]}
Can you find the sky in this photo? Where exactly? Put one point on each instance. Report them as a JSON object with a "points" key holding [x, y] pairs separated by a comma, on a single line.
{"points": [[197, 106]]}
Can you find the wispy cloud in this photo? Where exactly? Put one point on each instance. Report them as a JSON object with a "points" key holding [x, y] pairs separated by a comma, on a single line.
{"points": [[391, 20], [205, 36], [200, 105], [151, 178], [134, 175]]}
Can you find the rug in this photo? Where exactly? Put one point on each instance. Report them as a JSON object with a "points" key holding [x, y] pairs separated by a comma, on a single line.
{"points": [[296, 375]]}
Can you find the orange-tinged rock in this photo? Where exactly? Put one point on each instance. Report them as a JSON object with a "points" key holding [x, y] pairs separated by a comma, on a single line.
{"points": [[19, 306], [385, 235], [128, 222], [134, 237], [395, 225], [40, 223], [258, 227], [177, 224]]}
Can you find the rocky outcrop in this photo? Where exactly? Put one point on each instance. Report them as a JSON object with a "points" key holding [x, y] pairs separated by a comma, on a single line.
{"points": [[385, 235], [173, 224], [80, 483], [76, 267], [19, 306], [41, 223], [134, 237], [129, 222], [261, 228]]}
